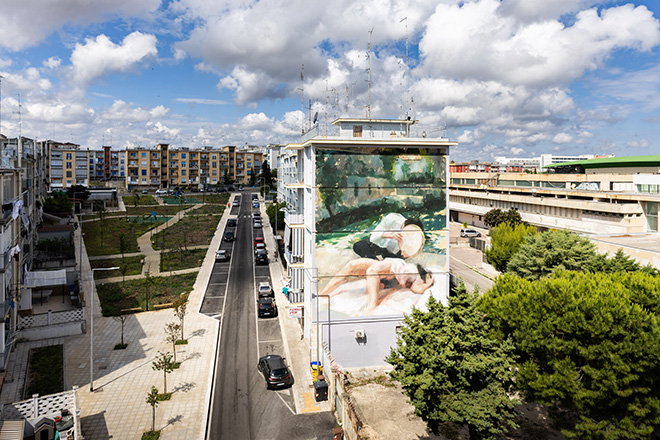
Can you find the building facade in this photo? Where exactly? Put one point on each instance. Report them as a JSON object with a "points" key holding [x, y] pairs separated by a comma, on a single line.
{"points": [[366, 231]]}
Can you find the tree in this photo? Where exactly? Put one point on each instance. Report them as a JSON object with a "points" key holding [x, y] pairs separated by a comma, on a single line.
{"points": [[123, 244], [274, 210], [136, 197], [148, 281], [496, 216], [79, 192], [180, 305], [253, 177], [172, 331], [122, 320], [152, 399], [505, 240], [163, 363], [588, 347], [453, 370], [266, 174], [58, 202], [543, 253], [123, 269]]}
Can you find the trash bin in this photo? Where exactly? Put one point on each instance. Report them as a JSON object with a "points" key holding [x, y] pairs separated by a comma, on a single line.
{"points": [[315, 369], [338, 433], [320, 390]]}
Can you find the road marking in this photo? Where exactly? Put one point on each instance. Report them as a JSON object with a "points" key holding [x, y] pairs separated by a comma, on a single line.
{"points": [[272, 340], [287, 405], [309, 404], [213, 297]]}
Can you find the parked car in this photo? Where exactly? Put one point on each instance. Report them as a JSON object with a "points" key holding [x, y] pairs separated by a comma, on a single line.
{"points": [[255, 205], [221, 255], [266, 307], [470, 233], [258, 240], [231, 222], [257, 224], [161, 192], [229, 236], [265, 289], [256, 215], [275, 371], [255, 196], [259, 247], [235, 204], [261, 257], [144, 191]]}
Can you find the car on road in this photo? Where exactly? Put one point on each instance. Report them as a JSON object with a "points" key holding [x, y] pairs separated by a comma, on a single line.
{"points": [[256, 214], [229, 236], [259, 247], [258, 240], [266, 307], [261, 257], [231, 222], [235, 204], [255, 205], [264, 289], [255, 197], [470, 233], [221, 255], [161, 192], [275, 371], [144, 191], [257, 224]]}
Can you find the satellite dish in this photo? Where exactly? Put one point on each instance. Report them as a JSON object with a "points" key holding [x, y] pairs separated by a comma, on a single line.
{"points": [[316, 117]]}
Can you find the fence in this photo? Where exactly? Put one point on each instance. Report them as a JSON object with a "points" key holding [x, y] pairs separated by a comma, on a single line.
{"points": [[46, 406], [50, 318], [51, 325]]}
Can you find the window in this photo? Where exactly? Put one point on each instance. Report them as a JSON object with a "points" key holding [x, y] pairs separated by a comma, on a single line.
{"points": [[183, 155], [183, 164], [214, 164], [69, 165], [144, 154], [214, 173], [144, 172], [68, 156], [144, 163], [183, 172], [68, 174], [214, 157], [357, 131]]}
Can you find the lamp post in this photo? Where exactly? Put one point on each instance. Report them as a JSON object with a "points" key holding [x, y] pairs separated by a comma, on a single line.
{"points": [[81, 236], [318, 323], [91, 327]]}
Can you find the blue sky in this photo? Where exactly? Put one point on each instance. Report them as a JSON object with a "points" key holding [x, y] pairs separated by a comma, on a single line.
{"points": [[507, 77]]}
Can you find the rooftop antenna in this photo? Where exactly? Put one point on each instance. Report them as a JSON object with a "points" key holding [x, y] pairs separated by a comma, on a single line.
{"points": [[404, 77], [302, 98], [20, 118], [369, 74]]}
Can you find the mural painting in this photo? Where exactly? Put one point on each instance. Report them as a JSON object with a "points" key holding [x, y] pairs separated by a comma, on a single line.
{"points": [[381, 230]]}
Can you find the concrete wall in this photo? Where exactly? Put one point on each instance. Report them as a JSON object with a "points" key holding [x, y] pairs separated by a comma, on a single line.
{"points": [[53, 331], [642, 256]]}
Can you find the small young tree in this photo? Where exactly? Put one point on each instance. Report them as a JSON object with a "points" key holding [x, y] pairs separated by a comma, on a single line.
{"points": [[136, 197], [180, 305], [172, 335], [123, 244], [152, 399], [453, 370], [163, 363], [122, 320]]}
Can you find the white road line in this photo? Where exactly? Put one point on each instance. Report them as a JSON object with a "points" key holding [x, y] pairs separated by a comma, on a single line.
{"points": [[268, 342], [284, 402]]}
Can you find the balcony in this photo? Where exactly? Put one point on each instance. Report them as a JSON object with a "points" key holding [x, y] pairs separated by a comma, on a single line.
{"points": [[293, 218]]}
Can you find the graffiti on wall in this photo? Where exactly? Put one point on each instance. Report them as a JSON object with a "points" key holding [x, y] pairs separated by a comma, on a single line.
{"points": [[381, 229]]}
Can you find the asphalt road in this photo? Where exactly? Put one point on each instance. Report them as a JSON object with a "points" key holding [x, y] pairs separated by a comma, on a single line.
{"points": [[241, 406]]}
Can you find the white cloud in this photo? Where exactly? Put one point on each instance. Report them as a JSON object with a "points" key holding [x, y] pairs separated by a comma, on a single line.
{"points": [[203, 101], [250, 86], [100, 56], [158, 130], [562, 138], [52, 63], [641, 143], [28, 22], [516, 151], [473, 40], [125, 112]]}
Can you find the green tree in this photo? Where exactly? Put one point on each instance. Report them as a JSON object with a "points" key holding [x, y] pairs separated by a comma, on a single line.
{"points": [[495, 217], [588, 347], [266, 174], [505, 240], [453, 370], [172, 331], [121, 319], [543, 253], [165, 364], [274, 210], [152, 399], [123, 244], [253, 177], [58, 202], [180, 305]]}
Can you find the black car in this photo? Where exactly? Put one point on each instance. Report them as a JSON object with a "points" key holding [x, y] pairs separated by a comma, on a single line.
{"points": [[266, 307], [231, 222], [275, 371], [229, 236], [255, 197], [261, 257]]}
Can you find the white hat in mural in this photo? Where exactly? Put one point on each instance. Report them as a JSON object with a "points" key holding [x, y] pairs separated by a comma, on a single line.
{"points": [[413, 240]]}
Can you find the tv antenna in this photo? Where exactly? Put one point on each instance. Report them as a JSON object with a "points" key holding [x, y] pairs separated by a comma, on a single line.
{"points": [[369, 74], [302, 98]]}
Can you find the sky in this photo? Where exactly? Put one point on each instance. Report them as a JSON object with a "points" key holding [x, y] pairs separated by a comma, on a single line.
{"points": [[514, 78]]}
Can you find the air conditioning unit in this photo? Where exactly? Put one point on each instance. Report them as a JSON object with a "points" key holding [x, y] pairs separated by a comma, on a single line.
{"points": [[360, 334]]}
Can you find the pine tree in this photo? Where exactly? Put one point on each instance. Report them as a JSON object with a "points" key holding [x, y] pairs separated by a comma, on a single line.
{"points": [[453, 370], [588, 347], [505, 241]]}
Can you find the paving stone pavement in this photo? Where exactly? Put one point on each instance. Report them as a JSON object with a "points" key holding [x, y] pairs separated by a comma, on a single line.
{"points": [[116, 409]]}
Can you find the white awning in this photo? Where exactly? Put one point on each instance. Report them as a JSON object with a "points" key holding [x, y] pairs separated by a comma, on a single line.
{"points": [[287, 236], [45, 278], [298, 243]]}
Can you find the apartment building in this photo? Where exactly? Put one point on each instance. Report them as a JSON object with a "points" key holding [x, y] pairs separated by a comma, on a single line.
{"points": [[344, 192], [67, 165]]}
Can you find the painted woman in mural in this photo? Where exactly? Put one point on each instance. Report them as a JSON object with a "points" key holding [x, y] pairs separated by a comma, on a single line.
{"points": [[394, 237], [376, 272]]}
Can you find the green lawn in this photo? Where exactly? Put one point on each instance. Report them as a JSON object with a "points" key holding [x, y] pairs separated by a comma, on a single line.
{"points": [[117, 296], [182, 259], [208, 209], [133, 264], [192, 230], [143, 199], [185, 200], [45, 371], [160, 210], [102, 238], [213, 198]]}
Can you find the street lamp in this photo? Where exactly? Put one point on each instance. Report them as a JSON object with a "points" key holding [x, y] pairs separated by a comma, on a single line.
{"points": [[318, 322], [91, 327], [81, 236]]}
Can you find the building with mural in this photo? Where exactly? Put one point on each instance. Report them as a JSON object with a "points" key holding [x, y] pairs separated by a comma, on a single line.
{"points": [[366, 232]]}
